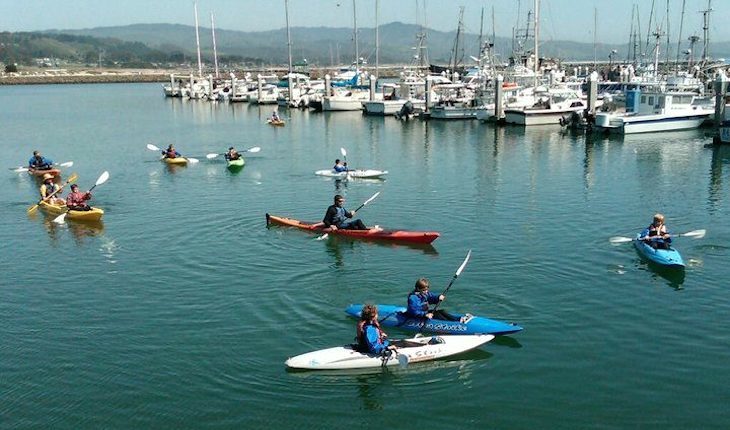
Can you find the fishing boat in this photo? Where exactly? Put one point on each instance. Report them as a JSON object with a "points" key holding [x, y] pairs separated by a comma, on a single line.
{"points": [[413, 350], [442, 322], [374, 233]]}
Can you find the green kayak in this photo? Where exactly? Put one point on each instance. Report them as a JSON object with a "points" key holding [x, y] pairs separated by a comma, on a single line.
{"points": [[236, 163]]}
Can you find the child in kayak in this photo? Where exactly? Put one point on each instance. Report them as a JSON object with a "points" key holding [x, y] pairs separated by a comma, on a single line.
{"points": [[170, 152], [337, 217], [232, 154], [656, 235], [76, 200], [420, 298], [370, 338]]}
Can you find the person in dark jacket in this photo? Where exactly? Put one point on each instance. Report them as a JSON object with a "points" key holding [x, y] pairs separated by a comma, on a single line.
{"points": [[337, 217], [370, 337], [39, 162]]}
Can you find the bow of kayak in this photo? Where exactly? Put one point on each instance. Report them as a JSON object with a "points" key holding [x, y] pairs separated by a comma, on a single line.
{"points": [[411, 350], [664, 257], [359, 174], [373, 233], [175, 161], [443, 322]]}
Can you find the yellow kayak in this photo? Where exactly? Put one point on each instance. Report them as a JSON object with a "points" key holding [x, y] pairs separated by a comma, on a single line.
{"points": [[176, 160], [94, 214]]}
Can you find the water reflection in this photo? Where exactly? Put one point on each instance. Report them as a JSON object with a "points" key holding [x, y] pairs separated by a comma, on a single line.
{"points": [[673, 276], [81, 231], [336, 244], [720, 157]]}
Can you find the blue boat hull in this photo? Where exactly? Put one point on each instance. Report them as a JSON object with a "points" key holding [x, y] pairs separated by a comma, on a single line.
{"points": [[444, 323], [663, 257]]}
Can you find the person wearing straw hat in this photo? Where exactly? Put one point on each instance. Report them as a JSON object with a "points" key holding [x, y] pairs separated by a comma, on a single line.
{"points": [[49, 187]]}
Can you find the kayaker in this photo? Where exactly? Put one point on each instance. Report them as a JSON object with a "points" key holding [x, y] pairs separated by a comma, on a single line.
{"points": [[339, 166], [76, 200], [170, 152], [656, 235], [370, 337], [337, 216], [39, 162], [49, 187], [420, 298], [232, 154], [275, 117]]}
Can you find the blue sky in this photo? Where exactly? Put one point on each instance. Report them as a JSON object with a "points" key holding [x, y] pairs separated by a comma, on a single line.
{"points": [[560, 19]]}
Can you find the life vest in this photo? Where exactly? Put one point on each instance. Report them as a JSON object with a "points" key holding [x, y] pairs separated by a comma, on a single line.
{"points": [[171, 153], [48, 189], [423, 298], [653, 231], [362, 341]]}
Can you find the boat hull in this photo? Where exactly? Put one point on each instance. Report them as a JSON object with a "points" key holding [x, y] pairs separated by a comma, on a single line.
{"points": [[411, 350], [363, 174], [389, 107], [94, 214], [662, 257], [177, 161], [529, 117], [235, 164], [371, 234], [40, 173], [630, 124], [393, 316]]}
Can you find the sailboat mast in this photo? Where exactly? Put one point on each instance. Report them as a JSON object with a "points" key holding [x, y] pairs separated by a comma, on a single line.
{"points": [[354, 24], [288, 44], [537, 37], [215, 50], [377, 40], [679, 39], [197, 40], [481, 35]]}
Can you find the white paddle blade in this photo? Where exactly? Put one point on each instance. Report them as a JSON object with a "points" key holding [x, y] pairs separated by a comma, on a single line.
{"points": [[21, 169], [193, 160], [67, 164], [620, 239], [152, 147], [323, 237], [211, 156], [61, 219], [254, 149], [103, 178], [343, 152], [466, 260], [371, 198], [697, 234]]}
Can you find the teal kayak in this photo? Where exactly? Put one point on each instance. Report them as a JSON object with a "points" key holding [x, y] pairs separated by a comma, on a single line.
{"points": [[664, 257]]}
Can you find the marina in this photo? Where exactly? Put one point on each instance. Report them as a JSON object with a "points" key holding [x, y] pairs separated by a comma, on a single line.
{"points": [[181, 304]]}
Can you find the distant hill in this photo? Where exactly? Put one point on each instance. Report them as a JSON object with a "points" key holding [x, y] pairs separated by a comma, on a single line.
{"points": [[144, 44]]}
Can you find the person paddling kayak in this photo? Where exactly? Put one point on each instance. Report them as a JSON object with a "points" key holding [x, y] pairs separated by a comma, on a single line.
{"points": [[232, 154], [370, 338], [170, 152], [339, 166], [76, 200], [420, 298], [337, 217], [49, 187], [656, 235], [39, 162]]}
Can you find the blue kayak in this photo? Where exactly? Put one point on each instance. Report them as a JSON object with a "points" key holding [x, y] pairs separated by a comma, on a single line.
{"points": [[663, 257], [443, 322]]}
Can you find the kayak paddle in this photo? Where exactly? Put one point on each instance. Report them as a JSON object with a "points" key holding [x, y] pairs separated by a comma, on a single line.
{"points": [[25, 169], [697, 234], [456, 275], [152, 147], [251, 150], [103, 178], [324, 236], [70, 179]]}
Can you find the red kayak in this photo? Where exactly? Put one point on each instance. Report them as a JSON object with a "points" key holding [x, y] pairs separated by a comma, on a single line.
{"points": [[39, 172], [373, 233]]}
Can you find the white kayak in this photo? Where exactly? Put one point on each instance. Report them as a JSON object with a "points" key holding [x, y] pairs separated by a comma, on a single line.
{"points": [[419, 348], [368, 173]]}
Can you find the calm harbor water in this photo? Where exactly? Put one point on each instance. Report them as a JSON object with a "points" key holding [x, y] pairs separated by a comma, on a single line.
{"points": [[179, 310]]}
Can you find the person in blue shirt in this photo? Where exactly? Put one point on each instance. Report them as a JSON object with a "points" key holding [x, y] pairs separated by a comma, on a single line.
{"points": [[339, 166], [39, 162], [420, 298], [656, 235], [337, 217], [370, 337]]}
